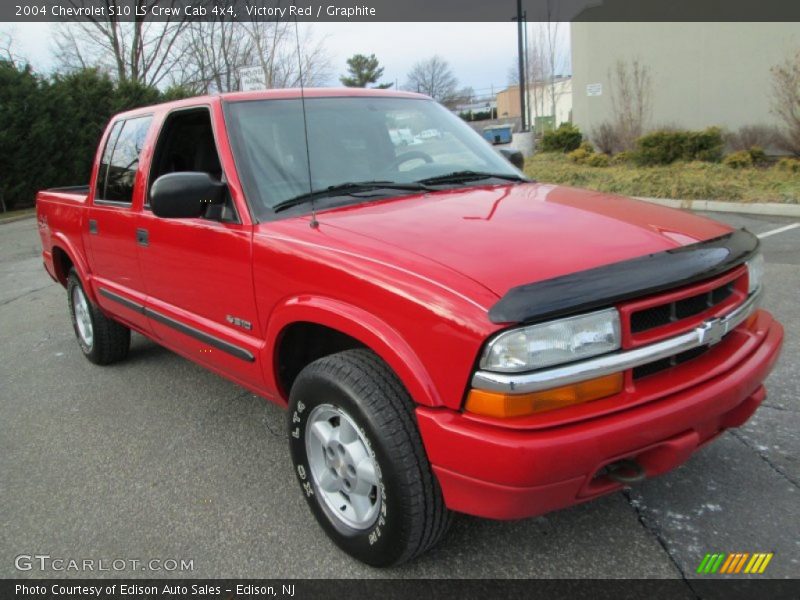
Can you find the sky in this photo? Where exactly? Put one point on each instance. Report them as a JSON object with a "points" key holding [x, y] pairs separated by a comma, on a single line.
{"points": [[480, 54]]}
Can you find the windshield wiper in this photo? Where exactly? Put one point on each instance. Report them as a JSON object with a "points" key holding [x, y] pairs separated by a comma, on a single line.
{"points": [[350, 187], [463, 176]]}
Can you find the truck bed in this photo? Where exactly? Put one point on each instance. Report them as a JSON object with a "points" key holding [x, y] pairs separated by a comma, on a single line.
{"points": [[72, 193], [60, 213], [70, 189]]}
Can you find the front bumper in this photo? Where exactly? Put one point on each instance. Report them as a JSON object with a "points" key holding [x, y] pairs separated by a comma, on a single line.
{"points": [[496, 472]]}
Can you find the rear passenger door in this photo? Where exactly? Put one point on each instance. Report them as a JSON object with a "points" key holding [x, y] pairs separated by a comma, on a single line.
{"points": [[112, 221]]}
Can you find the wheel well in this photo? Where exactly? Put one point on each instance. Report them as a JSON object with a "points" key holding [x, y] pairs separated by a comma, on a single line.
{"points": [[301, 344], [62, 264]]}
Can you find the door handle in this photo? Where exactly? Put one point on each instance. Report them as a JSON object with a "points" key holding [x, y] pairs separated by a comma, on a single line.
{"points": [[93, 226], [142, 237]]}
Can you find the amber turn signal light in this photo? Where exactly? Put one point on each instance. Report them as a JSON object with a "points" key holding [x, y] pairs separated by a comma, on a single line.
{"points": [[504, 406]]}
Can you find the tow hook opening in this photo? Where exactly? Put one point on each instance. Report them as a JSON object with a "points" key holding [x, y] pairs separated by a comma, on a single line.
{"points": [[624, 471]]}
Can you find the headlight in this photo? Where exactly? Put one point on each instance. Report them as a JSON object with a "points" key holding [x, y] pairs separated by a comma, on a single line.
{"points": [[755, 272], [553, 343]]}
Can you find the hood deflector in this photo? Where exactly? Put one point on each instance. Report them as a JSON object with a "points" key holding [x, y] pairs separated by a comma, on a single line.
{"points": [[603, 286]]}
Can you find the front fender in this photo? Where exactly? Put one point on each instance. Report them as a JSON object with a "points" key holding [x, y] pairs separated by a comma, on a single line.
{"points": [[359, 324]]}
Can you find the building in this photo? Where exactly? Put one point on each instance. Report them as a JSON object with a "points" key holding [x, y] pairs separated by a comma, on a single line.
{"points": [[701, 74], [540, 102]]}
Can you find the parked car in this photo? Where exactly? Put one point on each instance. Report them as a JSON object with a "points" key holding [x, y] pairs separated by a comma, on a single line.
{"points": [[451, 337]]}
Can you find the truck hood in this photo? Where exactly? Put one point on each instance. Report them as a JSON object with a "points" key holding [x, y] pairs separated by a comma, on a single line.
{"points": [[509, 235]]}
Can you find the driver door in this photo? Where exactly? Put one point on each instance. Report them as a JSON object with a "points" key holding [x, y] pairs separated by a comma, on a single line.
{"points": [[197, 271]]}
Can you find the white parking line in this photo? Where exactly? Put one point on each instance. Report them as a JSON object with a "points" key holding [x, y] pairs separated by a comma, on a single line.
{"points": [[778, 230]]}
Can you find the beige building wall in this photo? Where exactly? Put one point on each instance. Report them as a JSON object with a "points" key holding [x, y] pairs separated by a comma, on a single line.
{"points": [[703, 74], [508, 102], [539, 101]]}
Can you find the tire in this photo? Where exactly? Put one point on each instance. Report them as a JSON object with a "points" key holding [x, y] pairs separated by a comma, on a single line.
{"points": [[101, 339], [403, 514]]}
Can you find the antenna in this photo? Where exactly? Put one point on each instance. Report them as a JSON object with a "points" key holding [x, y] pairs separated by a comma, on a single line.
{"points": [[314, 223]]}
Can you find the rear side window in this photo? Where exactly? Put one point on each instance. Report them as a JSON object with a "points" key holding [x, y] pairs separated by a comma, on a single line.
{"points": [[121, 160], [100, 188]]}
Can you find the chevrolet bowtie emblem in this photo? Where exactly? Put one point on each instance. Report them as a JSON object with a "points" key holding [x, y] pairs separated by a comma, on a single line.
{"points": [[712, 331]]}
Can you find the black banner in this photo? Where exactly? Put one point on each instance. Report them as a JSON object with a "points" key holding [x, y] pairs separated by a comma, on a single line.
{"points": [[400, 10], [420, 589]]}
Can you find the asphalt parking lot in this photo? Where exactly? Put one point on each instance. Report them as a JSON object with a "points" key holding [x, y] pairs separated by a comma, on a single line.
{"points": [[156, 458]]}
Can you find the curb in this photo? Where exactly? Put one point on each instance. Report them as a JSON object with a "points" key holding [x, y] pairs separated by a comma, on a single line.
{"points": [[772, 209], [19, 218]]}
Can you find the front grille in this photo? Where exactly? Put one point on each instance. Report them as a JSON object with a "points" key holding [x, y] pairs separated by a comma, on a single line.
{"points": [[667, 363], [664, 314]]}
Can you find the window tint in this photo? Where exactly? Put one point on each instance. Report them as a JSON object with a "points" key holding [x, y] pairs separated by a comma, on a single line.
{"points": [[100, 188], [186, 144], [402, 140], [125, 160]]}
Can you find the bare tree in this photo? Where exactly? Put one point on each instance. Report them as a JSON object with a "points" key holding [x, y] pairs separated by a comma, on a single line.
{"points": [[747, 136], [213, 53], [553, 56], [631, 100], [5, 47], [434, 78], [7, 52], [545, 62], [142, 50], [276, 52], [786, 101]]}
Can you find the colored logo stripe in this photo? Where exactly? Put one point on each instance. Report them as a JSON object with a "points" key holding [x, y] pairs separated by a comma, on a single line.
{"points": [[735, 562], [710, 563]]}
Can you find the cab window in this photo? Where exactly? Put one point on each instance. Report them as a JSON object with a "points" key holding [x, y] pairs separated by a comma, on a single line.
{"points": [[119, 164]]}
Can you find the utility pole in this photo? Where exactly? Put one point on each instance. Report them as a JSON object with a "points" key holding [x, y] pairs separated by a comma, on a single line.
{"points": [[521, 60], [527, 72]]}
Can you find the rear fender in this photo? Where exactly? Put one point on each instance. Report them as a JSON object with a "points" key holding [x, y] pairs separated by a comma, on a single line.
{"points": [[61, 242]]}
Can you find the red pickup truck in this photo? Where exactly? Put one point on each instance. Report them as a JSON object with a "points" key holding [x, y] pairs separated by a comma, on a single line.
{"points": [[447, 335]]}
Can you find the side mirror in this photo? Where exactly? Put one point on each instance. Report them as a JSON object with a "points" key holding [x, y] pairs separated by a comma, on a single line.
{"points": [[514, 157], [184, 195]]}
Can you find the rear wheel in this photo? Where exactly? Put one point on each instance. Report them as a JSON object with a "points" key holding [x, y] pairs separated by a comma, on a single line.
{"points": [[101, 339], [360, 461]]}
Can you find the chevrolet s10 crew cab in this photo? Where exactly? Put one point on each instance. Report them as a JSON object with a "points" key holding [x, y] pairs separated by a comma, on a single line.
{"points": [[446, 335]]}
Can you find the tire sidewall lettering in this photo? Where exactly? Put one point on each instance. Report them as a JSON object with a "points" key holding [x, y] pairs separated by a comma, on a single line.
{"points": [[297, 425]]}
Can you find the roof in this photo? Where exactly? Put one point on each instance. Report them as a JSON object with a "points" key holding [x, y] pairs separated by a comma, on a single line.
{"points": [[277, 94], [319, 93]]}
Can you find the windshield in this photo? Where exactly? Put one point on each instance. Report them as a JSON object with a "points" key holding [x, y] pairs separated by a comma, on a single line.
{"points": [[350, 140]]}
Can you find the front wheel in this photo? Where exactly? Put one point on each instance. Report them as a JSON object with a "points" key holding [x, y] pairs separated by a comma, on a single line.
{"points": [[102, 340], [360, 461]]}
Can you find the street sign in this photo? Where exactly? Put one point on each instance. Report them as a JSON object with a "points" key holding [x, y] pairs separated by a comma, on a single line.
{"points": [[252, 78], [594, 89]]}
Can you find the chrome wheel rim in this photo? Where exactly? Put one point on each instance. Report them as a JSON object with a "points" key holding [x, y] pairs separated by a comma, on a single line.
{"points": [[83, 318], [345, 473]]}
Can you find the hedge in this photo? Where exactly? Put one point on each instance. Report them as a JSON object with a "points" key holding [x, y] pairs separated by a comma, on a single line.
{"points": [[664, 147], [51, 126]]}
